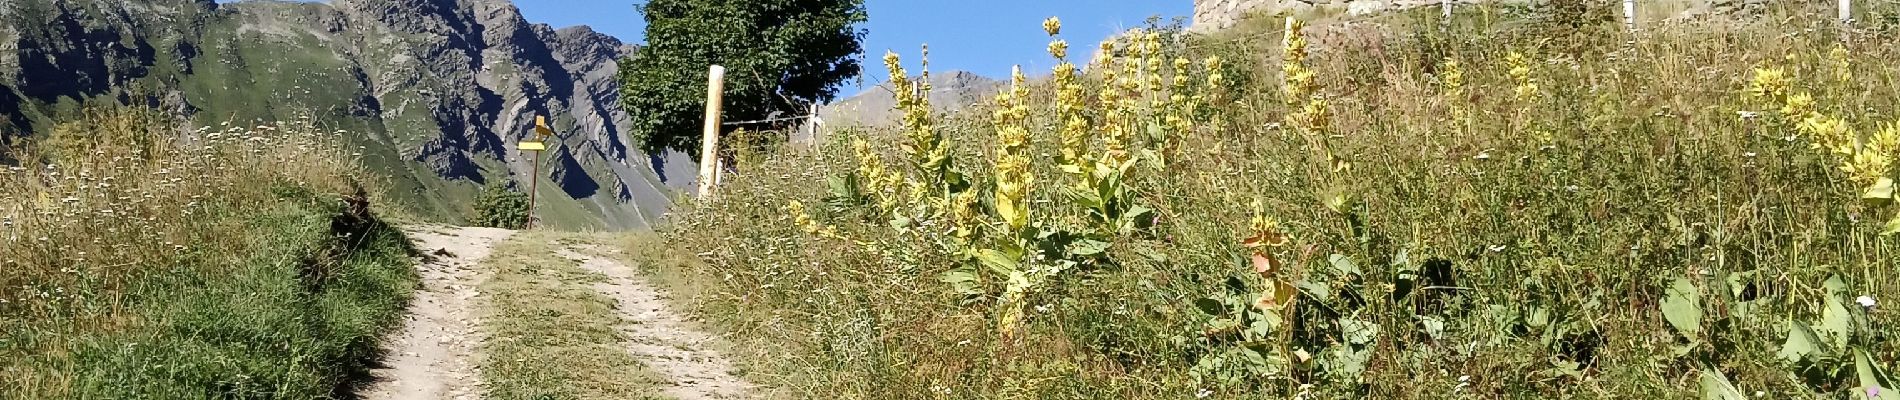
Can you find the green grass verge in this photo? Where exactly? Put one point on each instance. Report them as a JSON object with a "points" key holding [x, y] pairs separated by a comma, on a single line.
{"points": [[296, 316], [550, 335]]}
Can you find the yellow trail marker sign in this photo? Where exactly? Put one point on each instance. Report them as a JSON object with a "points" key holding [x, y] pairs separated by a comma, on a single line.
{"points": [[541, 129], [535, 146]]}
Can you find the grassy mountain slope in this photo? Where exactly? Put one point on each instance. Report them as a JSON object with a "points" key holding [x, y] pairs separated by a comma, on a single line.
{"points": [[247, 265], [1529, 203], [437, 91]]}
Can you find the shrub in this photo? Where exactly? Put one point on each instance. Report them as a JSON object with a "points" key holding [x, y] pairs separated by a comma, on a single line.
{"points": [[500, 206]]}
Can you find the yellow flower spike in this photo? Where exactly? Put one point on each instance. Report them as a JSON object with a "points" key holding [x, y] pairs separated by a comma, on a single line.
{"points": [[1452, 77], [1798, 104], [1052, 25], [1011, 169], [1520, 72], [1769, 83], [1842, 62]]}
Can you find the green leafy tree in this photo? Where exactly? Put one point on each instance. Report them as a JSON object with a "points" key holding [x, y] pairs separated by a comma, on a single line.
{"points": [[501, 207], [780, 56]]}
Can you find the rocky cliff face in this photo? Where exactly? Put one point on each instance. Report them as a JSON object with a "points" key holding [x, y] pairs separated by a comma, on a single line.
{"points": [[437, 91], [950, 91]]}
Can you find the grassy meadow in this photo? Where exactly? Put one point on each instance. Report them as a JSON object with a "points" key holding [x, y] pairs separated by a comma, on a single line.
{"points": [[1527, 203], [226, 262]]}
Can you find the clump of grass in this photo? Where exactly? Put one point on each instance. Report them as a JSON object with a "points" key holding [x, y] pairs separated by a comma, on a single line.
{"points": [[138, 261], [551, 334], [1508, 208]]}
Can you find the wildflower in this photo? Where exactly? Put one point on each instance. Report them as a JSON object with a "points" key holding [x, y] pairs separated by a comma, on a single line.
{"points": [[1452, 79], [1843, 65], [1011, 168], [1052, 25], [1865, 301], [1747, 115], [1203, 393], [1769, 83], [1520, 72]]}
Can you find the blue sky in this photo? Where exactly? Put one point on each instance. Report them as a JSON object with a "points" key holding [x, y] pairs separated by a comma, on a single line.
{"points": [[981, 36]]}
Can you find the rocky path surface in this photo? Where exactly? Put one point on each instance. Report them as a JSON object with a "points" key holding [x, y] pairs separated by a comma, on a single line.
{"points": [[660, 337], [433, 356]]}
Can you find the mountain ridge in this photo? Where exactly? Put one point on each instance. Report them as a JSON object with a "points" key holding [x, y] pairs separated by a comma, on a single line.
{"points": [[435, 91]]}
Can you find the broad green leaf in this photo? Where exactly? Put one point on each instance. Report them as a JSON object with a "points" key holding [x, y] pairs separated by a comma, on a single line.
{"points": [[1317, 290], [1836, 321], [1893, 225], [1358, 332], [841, 186], [1434, 326], [1682, 307], [1801, 343], [963, 280], [1343, 265], [1835, 286], [1874, 383], [1210, 306], [997, 261], [1088, 247], [1538, 317], [1717, 387], [1881, 190], [1739, 280], [1263, 328]]}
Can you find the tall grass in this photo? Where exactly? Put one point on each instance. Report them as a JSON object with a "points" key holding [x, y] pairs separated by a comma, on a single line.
{"points": [[1581, 212], [146, 261]]}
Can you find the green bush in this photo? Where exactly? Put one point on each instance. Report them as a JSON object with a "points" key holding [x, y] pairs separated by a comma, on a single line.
{"points": [[501, 207]]}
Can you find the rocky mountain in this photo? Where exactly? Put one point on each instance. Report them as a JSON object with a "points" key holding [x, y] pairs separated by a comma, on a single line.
{"points": [[436, 92], [950, 91]]}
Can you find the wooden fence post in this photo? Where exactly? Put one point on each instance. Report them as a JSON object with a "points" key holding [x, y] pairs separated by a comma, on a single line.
{"points": [[1629, 15], [1847, 11], [709, 142], [1444, 22]]}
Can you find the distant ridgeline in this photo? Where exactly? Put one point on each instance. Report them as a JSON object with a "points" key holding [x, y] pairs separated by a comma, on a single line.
{"points": [[1221, 14], [435, 92]]}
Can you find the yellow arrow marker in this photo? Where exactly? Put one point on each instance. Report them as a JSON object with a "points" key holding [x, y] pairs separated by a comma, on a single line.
{"points": [[541, 129], [536, 146]]}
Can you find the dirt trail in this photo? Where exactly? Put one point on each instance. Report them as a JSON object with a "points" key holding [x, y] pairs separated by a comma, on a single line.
{"points": [[433, 356], [661, 338]]}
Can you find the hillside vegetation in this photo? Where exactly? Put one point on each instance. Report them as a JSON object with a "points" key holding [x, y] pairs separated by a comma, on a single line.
{"points": [[235, 262], [435, 93], [1530, 203]]}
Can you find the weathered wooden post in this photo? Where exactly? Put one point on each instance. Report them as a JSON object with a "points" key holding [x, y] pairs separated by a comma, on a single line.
{"points": [[1847, 11], [1629, 15], [1444, 22], [811, 124], [540, 144], [709, 142]]}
